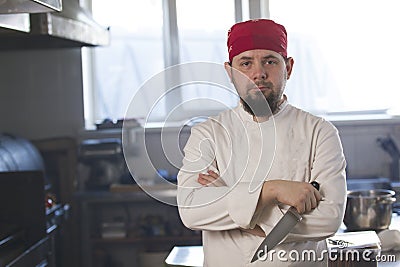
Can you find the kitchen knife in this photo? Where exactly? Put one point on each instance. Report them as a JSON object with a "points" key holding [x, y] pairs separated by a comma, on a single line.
{"points": [[280, 231]]}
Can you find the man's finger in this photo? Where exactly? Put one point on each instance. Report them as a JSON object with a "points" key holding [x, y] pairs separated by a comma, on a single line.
{"points": [[202, 181], [308, 205], [207, 177], [208, 180], [213, 174], [314, 202]]}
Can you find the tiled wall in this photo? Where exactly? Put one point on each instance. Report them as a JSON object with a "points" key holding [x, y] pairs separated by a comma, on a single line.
{"points": [[365, 158]]}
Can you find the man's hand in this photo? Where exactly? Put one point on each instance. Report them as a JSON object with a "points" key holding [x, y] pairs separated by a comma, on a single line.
{"points": [[210, 179], [301, 195]]}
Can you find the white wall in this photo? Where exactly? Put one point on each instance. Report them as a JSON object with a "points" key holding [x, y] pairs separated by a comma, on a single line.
{"points": [[41, 93]]}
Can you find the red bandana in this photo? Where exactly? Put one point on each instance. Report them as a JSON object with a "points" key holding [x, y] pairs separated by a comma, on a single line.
{"points": [[257, 34]]}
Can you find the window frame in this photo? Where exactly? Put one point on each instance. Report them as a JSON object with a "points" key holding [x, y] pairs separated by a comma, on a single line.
{"points": [[244, 9]]}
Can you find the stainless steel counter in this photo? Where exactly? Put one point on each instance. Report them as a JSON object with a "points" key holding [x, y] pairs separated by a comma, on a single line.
{"points": [[395, 225], [193, 255]]}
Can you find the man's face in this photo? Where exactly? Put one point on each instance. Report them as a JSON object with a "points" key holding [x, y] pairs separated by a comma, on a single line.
{"points": [[264, 80]]}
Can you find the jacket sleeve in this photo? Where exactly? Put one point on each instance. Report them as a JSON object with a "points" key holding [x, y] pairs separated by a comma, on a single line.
{"points": [[208, 207], [327, 168]]}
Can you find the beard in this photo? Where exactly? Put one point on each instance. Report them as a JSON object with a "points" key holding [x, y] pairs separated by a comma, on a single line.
{"points": [[260, 105]]}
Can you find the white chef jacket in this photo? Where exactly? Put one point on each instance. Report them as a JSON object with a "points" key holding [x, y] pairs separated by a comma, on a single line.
{"points": [[293, 145]]}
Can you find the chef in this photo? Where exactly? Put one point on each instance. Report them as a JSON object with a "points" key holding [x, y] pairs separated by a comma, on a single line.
{"points": [[245, 167]]}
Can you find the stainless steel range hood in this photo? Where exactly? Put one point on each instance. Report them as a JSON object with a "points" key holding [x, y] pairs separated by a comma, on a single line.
{"points": [[72, 27], [29, 6]]}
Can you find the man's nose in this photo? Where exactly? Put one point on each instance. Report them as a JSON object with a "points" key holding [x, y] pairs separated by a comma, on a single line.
{"points": [[260, 72]]}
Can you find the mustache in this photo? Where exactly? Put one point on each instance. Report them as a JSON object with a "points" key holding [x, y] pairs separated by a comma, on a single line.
{"points": [[252, 85]]}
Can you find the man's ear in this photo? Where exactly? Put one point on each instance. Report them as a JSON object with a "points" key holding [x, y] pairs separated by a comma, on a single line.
{"points": [[289, 66], [228, 69]]}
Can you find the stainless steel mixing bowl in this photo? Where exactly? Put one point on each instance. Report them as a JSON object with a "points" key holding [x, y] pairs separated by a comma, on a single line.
{"points": [[369, 209]]}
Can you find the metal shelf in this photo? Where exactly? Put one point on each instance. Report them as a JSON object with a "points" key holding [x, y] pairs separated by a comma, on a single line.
{"points": [[137, 205]]}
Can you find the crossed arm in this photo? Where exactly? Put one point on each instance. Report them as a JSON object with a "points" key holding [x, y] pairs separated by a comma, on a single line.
{"points": [[301, 195], [207, 203]]}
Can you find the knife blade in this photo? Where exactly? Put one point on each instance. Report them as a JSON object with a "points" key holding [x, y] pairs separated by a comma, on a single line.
{"points": [[279, 232]]}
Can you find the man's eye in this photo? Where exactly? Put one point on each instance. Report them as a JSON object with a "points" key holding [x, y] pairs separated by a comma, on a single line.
{"points": [[271, 62], [245, 64]]}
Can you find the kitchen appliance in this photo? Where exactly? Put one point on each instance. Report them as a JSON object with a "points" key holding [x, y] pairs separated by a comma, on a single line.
{"points": [[369, 209], [30, 217], [22, 215], [102, 164], [280, 231], [22, 203], [29, 6], [73, 26], [18, 154]]}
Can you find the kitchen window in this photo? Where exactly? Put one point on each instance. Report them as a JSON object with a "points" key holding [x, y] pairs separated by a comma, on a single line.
{"points": [[134, 55], [136, 51], [344, 53], [202, 37]]}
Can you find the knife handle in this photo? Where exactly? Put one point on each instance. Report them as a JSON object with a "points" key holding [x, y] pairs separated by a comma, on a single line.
{"points": [[293, 210], [315, 184]]}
